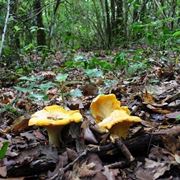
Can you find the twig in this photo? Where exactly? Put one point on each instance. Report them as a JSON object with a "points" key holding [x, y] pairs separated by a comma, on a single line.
{"points": [[174, 131], [5, 27], [120, 164], [67, 167], [61, 171], [172, 98], [124, 150], [103, 148]]}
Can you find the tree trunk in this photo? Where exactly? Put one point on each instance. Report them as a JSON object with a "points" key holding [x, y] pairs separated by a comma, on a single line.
{"points": [[135, 11], [41, 36], [5, 27], [15, 39], [126, 9], [119, 17], [51, 28], [108, 24], [143, 10], [99, 26], [113, 16], [174, 4]]}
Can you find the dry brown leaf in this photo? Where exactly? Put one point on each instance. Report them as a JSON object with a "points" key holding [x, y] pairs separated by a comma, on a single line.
{"points": [[111, 174], [148, 98], [156, 168], [89, 89], [87, 170], [158, 110], [3, 171], [20, 123], [142, 174]]}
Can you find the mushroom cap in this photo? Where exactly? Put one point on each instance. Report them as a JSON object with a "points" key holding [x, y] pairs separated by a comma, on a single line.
{"points": [[118, 116], [103, 105], [54, 116], [111, 116], [118, 123]]}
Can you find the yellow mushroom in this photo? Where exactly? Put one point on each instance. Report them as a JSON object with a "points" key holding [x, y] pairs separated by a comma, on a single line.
{"points": [[111, 117], [54, 118]]}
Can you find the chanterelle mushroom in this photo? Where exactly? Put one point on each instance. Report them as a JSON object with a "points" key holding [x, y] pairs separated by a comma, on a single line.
{"points": [[53, 118], [111, 117]]}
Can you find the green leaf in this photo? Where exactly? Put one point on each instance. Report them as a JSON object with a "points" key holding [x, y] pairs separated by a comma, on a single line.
{"points": [[97, 63], [20, 71], [136, 68], [8, 108], [3, 149], [109, 83], [176, 34], [80, 58], [76, 93], [24, 90], [46, 86], [33, 28], [120, 60], [178, 118], [61, 77], [17, 28], [38, 97], [26, 78], [94, 72]]}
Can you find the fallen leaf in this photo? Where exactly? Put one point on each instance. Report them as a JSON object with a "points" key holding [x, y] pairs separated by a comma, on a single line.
{"points": [[3, 171], [111, 174], [28, 135], [157, 169], [89, 89], [177, 158], [148, 98], [158, 110], [89, 136], [20, 123], [71, 154], [173, 115], [142, 174]]}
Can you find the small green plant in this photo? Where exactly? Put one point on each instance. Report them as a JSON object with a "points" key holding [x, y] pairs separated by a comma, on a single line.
{"points": [[93, 73], [120, 60], [34, 87], [176, 34], [137, 67], [74, 64], [89, 64], [101, 64], [138, 56], [60, 79], [76, 93], [9, 108]]}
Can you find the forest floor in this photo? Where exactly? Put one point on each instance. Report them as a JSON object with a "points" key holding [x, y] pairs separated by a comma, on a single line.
{"points": [[145, 81]]}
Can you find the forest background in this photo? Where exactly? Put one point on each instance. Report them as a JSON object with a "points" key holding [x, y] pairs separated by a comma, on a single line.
{"points": [[47, 26]]}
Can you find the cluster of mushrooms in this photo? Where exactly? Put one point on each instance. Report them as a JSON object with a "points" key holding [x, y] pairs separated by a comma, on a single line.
{"points": [[107, 111]]}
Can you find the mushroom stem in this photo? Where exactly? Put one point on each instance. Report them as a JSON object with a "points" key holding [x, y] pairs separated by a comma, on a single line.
{"points": [[54, 135]]}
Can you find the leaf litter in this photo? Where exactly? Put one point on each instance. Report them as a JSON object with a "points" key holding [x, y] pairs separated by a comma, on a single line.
{"points": [[87, 152]]}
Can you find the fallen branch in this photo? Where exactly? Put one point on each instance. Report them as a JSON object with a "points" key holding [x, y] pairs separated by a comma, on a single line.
{"points": [[124, 150], [120, 164], [61, 171]]}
